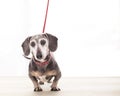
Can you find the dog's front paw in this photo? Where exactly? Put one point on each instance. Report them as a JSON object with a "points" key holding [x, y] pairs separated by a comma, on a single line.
{"points": [[37, 89], [55, 89]]}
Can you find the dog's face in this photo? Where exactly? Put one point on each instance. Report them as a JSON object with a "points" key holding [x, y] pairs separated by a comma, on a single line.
{"points": [[40, 46]]}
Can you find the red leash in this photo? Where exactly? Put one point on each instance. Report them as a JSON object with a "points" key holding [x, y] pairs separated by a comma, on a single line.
{"points": [[43, 25], [45, 17]]}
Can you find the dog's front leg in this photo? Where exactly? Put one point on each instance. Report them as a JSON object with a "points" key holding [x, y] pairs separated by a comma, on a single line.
{"points": [[35, 82], [55, 82]]}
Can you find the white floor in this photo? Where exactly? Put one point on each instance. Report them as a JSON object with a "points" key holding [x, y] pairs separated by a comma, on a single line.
{"points": [[22, 86]]}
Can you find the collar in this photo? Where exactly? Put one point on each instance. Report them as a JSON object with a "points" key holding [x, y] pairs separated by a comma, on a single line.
{"points": [[42, 63]]}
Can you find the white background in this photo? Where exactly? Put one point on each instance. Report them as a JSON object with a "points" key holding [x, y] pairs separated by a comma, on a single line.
{"points": [[88, 33]]}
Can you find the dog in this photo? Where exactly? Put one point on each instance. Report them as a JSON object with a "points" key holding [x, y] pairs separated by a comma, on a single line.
{"points": [[42, 66]]}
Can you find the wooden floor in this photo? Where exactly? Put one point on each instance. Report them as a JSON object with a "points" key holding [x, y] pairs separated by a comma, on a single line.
{"points": [[22, 86]]}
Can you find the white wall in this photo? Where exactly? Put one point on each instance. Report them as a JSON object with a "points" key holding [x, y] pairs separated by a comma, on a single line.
{"points": [[88, 32]]}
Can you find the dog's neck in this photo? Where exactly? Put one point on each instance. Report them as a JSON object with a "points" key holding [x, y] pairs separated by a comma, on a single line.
{"points": [[46, 62]]}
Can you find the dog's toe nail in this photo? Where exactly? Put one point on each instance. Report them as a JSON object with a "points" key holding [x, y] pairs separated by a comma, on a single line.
{"points": [[37, 89], [55, 89]]}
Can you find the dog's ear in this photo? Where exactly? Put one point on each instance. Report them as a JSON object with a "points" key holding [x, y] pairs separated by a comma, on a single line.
{"points": [[25, 46], [53, 42]]}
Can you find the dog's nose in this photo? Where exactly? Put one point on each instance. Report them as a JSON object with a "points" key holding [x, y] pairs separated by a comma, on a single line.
{"points": [[39, 56]]}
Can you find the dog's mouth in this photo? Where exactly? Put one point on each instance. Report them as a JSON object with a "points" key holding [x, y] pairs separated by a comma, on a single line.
{"points": [[44, 62], [41, 60]]}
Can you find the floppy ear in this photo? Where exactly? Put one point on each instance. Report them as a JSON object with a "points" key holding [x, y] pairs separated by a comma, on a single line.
{"points": [[52, 42], [25, 46]]}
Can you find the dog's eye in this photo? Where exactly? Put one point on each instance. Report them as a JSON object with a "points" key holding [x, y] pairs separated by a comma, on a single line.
{"points": [[32, 44], [42, 42]]}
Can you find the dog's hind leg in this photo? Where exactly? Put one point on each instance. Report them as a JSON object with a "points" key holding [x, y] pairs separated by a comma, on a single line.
{"points": [[49, 79], [41, 83]]}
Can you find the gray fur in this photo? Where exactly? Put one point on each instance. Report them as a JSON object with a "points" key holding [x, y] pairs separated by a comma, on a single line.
{"points": [[49, 70], [25, 46]]}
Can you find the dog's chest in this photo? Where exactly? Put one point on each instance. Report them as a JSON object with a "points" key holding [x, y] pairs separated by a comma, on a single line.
{"points": [[42, 76]]}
